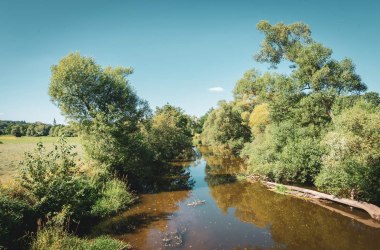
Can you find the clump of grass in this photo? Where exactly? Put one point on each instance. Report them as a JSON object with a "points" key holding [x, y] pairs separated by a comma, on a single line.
{"points": [[115, 197], [241, 177], [281, 189], [1, 142], [52, 238]]}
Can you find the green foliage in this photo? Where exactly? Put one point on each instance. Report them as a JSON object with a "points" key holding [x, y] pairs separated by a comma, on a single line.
{"points": [[22, 128], [247, 88], [61, 130], [316, 126], [170, 134], [38, 129], [52, 238], [54, 180], [259, 119], [314, 68], [285, 153], [198, 123], [114, 197], [6, 126], [16, 131], [351, 164], [281, 39], [16, 215], [224, 128], [281, 189], [106, 110]]}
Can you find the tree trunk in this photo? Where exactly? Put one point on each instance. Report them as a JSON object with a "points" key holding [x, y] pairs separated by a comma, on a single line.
{"points": [[372, 210]]}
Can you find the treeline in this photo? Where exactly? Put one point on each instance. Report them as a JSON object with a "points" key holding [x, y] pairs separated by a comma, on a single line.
{"points": [[316, 125], [22, 128], [127, 146]]}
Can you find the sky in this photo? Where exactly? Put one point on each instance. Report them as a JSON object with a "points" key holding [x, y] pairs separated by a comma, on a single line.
{"points": [[187, 53]]}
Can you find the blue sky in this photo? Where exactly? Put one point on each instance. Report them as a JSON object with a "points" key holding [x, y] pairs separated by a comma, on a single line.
{"points": [[179, 49]]}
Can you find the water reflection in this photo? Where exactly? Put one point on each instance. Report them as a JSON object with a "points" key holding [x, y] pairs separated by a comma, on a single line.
{"points": [[144, 224], [236, 215], [293, 223], [171, 177]]}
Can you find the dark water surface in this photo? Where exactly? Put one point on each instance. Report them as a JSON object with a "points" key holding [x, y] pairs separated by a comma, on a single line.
{"points": [[235, 215]]}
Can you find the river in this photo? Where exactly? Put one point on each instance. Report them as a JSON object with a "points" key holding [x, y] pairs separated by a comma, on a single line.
{"points": [[233, 214]]}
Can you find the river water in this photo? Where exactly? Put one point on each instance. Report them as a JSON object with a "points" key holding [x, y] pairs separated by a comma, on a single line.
{"points": [[235, 215]]}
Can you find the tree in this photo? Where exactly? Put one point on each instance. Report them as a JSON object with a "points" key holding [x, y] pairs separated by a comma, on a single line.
{"points": [[16, 131], [170, 135], [106, 110], [224, 128], [294, 112], [248, 87], [314, 69], [199, 122], [351, 163]]}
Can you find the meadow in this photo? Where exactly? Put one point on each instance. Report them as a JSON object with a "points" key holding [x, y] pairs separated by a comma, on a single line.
{"points": [[12, 150]]}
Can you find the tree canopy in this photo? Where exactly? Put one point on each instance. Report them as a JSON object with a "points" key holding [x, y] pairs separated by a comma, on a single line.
{"points": [[310, 125]]}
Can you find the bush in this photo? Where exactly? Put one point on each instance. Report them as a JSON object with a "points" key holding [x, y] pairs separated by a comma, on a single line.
{"points": [[285, 153], [16, 217], [115, 196], [54, 180], [52, 238], [281, 189]]}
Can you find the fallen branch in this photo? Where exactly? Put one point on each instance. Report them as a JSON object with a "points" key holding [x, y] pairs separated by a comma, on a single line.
{"points": [[368, 222], [372, 210]]}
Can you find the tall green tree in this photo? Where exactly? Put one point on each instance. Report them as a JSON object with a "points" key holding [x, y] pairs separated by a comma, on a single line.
{"points": [[224, 128], [107, 111], [170, 134], [16, 131], [300, 105]]}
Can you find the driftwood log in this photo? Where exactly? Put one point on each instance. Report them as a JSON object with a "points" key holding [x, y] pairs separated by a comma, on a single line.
{"points": [[372, 210], [368, 221]]}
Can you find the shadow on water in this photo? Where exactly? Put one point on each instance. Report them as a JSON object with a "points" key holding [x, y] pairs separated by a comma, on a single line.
{"points": [[131, 223], [235, 214], [152, 214]]}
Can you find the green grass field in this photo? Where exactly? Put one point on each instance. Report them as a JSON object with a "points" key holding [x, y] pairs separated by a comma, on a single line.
{"points": [[12, 151]]}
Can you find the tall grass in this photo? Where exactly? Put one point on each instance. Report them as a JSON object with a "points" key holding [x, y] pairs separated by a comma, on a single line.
{"points": [[115, 197], [54, 238]]}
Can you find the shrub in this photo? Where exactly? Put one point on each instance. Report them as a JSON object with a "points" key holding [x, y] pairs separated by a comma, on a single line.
{"points": [[16, 217], [54, 180], [281, 189], [52, 238], [115, 196]]}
